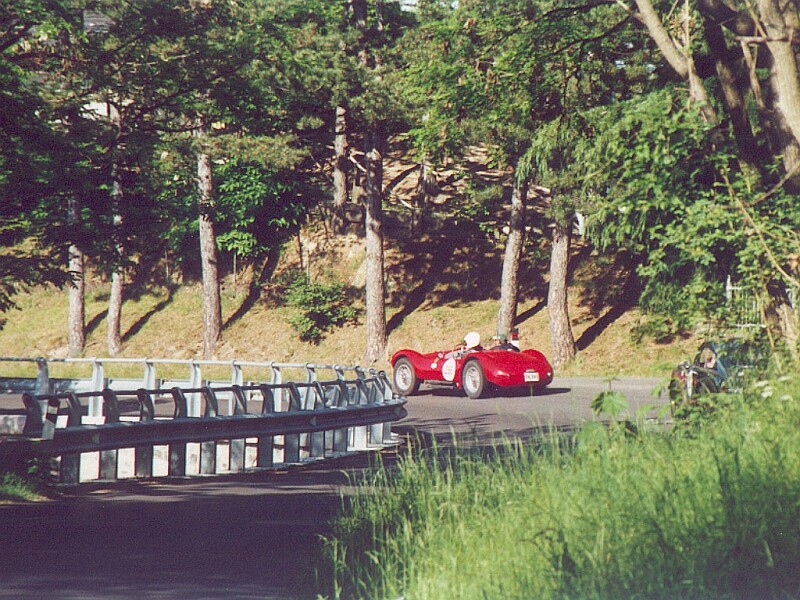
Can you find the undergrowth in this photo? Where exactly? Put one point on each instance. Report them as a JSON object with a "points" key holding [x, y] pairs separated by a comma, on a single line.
{"points": [[23, 476], [710, 513], [16, 488]]}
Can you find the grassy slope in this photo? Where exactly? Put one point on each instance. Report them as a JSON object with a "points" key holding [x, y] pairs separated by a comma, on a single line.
{"points": [[433, 304], [441, 282]]}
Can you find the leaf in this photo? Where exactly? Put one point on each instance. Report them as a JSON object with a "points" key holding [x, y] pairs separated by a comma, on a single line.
{"points": [[609, 402]]}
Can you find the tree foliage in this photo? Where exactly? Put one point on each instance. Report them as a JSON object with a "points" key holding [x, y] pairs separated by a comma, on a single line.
{"points": [[322, 307], [674, 132]]}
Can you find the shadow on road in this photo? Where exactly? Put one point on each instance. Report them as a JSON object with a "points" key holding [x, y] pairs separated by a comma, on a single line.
{"points": [[447, 391], [247, 536]]}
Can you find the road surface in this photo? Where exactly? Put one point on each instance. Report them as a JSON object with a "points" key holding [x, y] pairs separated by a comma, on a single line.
{"points": [[244, 536]]}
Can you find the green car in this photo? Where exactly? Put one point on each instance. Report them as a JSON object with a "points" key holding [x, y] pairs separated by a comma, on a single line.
{"points": [[719, 366]]}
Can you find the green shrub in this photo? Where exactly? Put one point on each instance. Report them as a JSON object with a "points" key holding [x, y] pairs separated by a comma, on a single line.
{"points": [[322, 308], [24, 472]]}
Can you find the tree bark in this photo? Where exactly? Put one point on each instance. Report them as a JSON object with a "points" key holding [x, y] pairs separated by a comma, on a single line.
{"points": [[561, 334], [375, 287], [779, 111], [341, 166], [509, 285], [783, 108], [114, 315], [212, 304], [77, 303], [373, 190], [781, 317], [780, 20], [732, 95]]}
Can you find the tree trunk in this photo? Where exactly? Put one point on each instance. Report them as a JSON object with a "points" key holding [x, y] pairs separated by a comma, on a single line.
{"points": [[212, 304], [784, 108], [77, 302], [732, 95], [341, 166], [426, 191], [780, 20], [114, 315], [373, 190], [375, 288], [509, 286], [781, 317], [560, 328]]}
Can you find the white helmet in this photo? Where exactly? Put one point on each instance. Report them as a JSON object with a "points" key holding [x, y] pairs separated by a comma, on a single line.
{"points": [[472, 339]]}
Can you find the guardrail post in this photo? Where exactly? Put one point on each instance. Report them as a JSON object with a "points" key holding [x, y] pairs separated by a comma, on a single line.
{"points": [[34, 421], [69, 470], [75, 413], [147, 408], [195, 381], [388, 395], [212, 406], [375, 397], [340, 436], [143, 455], [266, 443], [236, 379], [311, 377], [97, 379], [291, 443], [339, 370], [239, 400], [109, 459], [237, 446], [385, 385], [42, 378], [43, 383], [316, 442], [276, 378], [294, 396], [180, 403], [360, 433], [208, 449], [149, 375], [177, 451]]}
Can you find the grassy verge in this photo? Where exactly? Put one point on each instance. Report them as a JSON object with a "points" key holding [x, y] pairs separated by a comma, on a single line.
{"points": [[710, 513], [14, 488], [23, 472]]}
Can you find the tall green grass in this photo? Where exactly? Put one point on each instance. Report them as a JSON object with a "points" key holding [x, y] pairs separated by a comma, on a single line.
{"points": [[708, 513]]}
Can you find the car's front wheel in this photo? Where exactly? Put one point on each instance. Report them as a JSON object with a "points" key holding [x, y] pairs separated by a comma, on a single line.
{"points": [[405, 378], [473, 379]]}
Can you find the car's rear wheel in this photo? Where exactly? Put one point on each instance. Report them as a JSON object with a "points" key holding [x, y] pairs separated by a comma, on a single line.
{"points": [[405, 378], [473, 379]]}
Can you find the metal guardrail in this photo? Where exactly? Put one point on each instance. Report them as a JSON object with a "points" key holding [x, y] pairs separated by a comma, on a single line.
{"points": [[152, 431], [44, 383]]}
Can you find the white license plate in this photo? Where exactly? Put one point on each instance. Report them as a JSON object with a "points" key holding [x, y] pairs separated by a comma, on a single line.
{"points": [[531, 376]]}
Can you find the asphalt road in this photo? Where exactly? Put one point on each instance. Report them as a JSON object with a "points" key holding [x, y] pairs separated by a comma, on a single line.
{"points": [[245, 536]]}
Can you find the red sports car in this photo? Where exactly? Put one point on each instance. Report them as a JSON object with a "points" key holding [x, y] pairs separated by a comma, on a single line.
{"points": [[472, 368]]}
